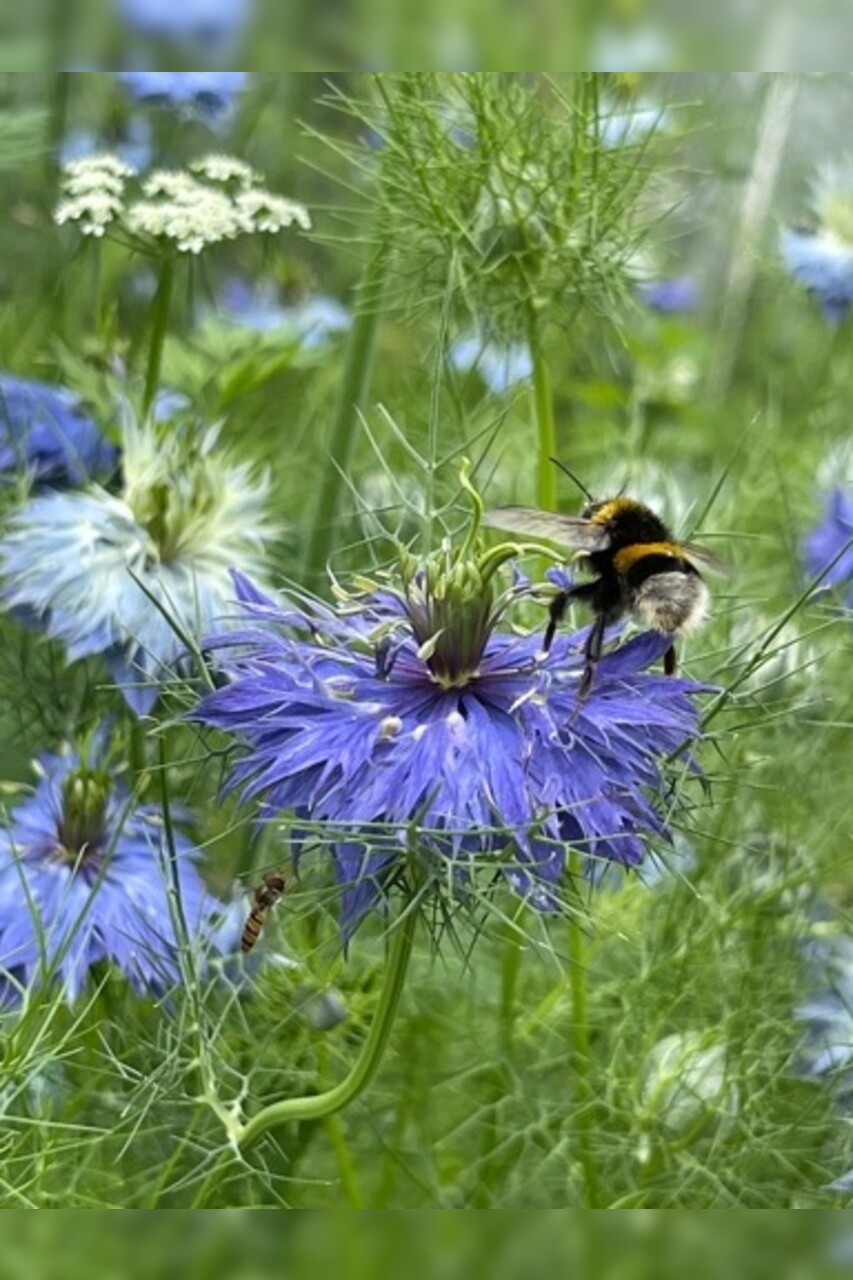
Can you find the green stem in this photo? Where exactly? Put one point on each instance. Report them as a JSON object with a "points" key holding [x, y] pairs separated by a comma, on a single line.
{"points": [[159, 327], [581, 1059], [344, 1160], [353, 394], [60, 92], [543, 415], [318, 1106], [510, 969]]}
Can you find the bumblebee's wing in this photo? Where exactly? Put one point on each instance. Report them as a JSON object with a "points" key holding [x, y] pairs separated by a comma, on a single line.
{"points": [[705, 559], [569, 531]]}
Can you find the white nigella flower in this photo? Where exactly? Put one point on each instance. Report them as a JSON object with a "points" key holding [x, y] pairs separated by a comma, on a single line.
{"points": [[129, 576]]}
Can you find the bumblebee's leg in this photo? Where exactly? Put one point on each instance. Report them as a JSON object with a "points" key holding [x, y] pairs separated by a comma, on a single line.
{"points": [[670, 662], [585, 592], [592, 653], [556, 612]]}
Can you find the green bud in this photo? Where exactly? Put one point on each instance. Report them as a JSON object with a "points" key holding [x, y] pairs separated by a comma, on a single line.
{"points": [[686, 1087]]}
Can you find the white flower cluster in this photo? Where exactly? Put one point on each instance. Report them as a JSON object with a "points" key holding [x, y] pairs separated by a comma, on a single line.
{"points": [[220, 199], [190, 213], [93, 191]]}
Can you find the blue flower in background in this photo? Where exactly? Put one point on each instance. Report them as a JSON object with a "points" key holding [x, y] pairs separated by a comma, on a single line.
{"points": [[208, 94], [631, 127], [669, 296], [210, 25], [822, 262], [472, 733], [85, 878], [829, 539], [134, 145], [311, 323], [502, 366], [821, 258], [45, 431], [137, 577]]}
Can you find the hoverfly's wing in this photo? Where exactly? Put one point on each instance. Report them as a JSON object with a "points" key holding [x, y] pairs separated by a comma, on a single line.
{"points": [[571, 532], [702, 558]]}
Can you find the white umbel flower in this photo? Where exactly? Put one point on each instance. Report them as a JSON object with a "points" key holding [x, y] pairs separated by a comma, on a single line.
{"points": [[227, 169], [191, 214], [93, 212], [270, 213], [219, 199], [93, 189]]}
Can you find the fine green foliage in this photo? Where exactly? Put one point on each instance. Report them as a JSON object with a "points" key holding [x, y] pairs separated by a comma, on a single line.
{"points": [[640, 1047]]}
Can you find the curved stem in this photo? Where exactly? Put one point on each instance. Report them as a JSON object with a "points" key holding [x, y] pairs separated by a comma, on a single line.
{"points": [[353, 393], [159, 328], [581, 1060], [318, 1106], [543, 414]]}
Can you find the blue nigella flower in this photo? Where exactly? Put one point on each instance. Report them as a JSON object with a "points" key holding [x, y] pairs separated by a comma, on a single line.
{"points": [[45, 431], [208, 94], [829, 539], [311, 323], [821, 257], [822, 262], [208, 25], [137, 577], [825, 1054], [85, 877], [670, 296], [501, 366], [414, 708], [134, 146]]}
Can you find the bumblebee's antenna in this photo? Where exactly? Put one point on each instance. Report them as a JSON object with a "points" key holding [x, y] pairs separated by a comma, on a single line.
{"points": [[573, 478]]}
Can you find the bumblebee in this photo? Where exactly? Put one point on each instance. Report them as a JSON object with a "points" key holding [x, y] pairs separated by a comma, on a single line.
{"points": [[640, 570], [266, 896]]}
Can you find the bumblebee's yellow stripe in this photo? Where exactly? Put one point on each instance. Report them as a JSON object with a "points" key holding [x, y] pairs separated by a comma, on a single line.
{"points": [[616, 507], [628, 556]]}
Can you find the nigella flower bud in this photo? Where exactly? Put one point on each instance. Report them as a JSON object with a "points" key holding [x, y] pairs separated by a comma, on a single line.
{"points": [[686, 1087]]}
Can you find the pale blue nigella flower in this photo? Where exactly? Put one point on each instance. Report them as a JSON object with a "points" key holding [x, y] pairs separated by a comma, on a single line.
{"points": [[669, 296], [137, 576], [134, 146], [208, 94], [311, 323], [209, 25], [410, 706], [821, 258], [501, 366], [631, 127], [824, 264], [85, 877], [44, 430], [829, 539]]}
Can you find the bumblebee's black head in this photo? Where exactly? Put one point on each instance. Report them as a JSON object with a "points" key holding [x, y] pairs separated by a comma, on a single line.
{"points": [[627, 522]]}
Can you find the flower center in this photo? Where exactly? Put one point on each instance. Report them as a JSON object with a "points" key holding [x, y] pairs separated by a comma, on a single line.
{"points": [[84, 805], [449, 607]]}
